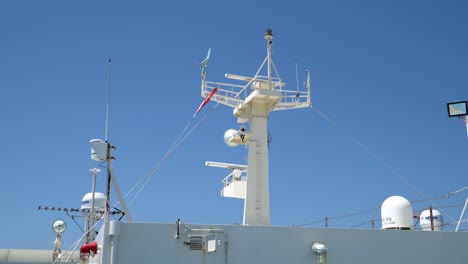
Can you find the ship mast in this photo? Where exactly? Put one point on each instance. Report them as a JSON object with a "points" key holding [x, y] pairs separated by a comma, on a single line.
{"points": [[267, 94]]}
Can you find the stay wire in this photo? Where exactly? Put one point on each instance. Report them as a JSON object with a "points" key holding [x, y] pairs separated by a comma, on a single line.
{"points": [[341, 216], [180, 139], [155, 167], [449, 195], [381, 161], [75, 245]]}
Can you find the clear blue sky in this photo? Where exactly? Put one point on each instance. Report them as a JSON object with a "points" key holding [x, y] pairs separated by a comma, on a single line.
{"points": [[382, 70]]}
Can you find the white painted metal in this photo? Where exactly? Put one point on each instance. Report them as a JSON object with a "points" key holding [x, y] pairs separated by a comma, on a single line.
{"points": [[238, 244], [225, 165], [36, 256], [97, 154], [234, 184], [252, 103], [119, 193], [91, 219], [461, 215], [257, 199], [234, 188], [98, 149]]}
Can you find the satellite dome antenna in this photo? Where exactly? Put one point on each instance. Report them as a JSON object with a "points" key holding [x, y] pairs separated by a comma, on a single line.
{"points": [[102, 151]]}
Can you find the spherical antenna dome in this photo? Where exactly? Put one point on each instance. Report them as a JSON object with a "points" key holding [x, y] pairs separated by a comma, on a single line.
{"points": [[99, 201], [397, 213], [425, 220]]}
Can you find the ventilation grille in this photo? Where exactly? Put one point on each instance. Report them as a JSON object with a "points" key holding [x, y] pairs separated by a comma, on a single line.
{"points": [[195, 242], [206, 243]]}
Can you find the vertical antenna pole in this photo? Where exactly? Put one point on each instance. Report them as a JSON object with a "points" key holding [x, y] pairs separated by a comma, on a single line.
{"points": [[297, 80], [109, 178], [108, 99], [109, 147], [268, 38], [91, 233], [465, 119], [308, 86]]}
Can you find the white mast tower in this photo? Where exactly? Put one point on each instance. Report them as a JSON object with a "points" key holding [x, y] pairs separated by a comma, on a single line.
{"points": [[252, 103]]}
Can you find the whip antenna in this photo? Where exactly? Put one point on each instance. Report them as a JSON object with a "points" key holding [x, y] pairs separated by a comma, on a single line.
{"points": [[297, 79], [102, 151], [108, 100]]}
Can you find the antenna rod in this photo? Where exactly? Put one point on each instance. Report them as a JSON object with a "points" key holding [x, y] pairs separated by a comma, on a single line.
{"points": [[297, 79], [108, 99], [90, 221], [308, 86], [268, 38]]}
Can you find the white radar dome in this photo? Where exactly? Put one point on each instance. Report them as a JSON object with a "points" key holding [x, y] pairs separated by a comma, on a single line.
{"points": [[397, 213], [99, 201], [98, 150], [425, 220]]}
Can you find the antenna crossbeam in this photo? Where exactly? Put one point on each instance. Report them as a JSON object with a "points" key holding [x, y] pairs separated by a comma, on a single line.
{"points": [[76, 210]]}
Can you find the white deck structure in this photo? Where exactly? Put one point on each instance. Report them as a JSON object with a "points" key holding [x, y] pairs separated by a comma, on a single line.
{"points": [[236, 244]]}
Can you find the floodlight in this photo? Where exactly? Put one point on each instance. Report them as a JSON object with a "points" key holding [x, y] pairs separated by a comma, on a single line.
{"points": [[457, 108], [59, 226]]}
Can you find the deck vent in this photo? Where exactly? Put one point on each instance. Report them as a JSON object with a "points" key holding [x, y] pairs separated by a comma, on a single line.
{"points": [[195, 242], [206, 243], [320, 251]]}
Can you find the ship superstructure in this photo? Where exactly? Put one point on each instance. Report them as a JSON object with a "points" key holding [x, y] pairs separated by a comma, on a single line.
{"points": [[256, 240]]}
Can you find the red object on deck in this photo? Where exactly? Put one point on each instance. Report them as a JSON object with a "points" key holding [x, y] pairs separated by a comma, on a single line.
{"points": [[90, 247]]}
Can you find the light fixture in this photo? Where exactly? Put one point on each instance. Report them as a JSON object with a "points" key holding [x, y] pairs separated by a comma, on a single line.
{"points": [[457, 108], [59, 226]]}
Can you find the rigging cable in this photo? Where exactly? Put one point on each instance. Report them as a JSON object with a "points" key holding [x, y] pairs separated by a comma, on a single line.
{"points": [[181, 138], [382, 162], [449, 195], [75, 245]]}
